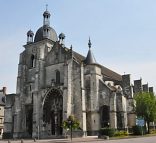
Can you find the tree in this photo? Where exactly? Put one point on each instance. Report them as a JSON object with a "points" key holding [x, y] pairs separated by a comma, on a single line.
{"points": [[146, 106], [71, 123]]}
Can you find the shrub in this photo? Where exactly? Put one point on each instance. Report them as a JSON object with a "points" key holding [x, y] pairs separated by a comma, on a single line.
{"points": [[138, 130], [153, 132], [121, 133], [107, 131], [71, 122]]}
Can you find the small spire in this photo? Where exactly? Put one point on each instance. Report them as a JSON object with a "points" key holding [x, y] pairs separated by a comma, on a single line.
{"points": [[90, 59], [46, 16], [89, 43], [46, 7], [71, 50], [71, 47], [61, 38]]}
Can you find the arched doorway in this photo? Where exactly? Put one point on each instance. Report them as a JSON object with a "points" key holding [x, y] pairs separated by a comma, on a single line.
{"points": [[104, 116], [29, 119], [53, 111]]}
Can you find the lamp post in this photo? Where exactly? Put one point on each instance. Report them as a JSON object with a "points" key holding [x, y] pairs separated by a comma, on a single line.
{"points": [[70, 124]]}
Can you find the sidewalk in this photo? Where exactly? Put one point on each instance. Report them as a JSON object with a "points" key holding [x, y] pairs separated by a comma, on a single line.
{"points": [[74, 140]]}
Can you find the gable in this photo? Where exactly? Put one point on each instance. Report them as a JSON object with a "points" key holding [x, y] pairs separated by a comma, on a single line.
{"points": [[58, 54]]}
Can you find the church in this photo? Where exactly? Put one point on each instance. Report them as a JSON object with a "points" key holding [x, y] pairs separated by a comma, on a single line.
{"points": [[54, 82]]}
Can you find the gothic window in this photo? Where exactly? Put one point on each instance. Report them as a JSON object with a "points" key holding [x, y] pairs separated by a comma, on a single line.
{"points": [[32, 61], [56, 57], [47, 34], [1, 120], [104, 112], [32, 96], [30, 88], [57, 77], [119, 120]]}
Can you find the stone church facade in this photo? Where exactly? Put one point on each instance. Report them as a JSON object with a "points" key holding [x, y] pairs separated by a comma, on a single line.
{"points": [[55, 82]]}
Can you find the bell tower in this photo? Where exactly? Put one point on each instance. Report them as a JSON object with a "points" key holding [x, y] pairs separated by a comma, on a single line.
{"points": [[46, 17], [30, 35], [46, 23]]}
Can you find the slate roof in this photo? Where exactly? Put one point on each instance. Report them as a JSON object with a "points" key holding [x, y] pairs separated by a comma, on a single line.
{"points": [[30, 32], [90, 59], [39, 35], [107, 73]]}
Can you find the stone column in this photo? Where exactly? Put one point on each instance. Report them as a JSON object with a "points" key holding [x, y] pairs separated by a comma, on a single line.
{"points": [[36, 115], [83, 101], [94, 98], [17, 118], [113, 118], [69, 88], [124, 112], [67, 94]]}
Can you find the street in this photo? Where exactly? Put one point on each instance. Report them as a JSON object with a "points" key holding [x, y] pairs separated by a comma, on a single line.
{"points": [[151, 139]]}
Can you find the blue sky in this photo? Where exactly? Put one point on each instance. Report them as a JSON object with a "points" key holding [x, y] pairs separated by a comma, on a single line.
{"points": [[123, 33]]}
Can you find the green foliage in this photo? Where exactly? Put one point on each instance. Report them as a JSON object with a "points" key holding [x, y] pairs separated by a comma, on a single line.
{"points": [[153, 132], [121, 133], [138, 130], [107, 131], [146, 106], [71, 122]]}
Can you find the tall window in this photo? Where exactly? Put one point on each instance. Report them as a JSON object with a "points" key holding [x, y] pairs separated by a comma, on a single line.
{"points": [[1, 120], [104, 111], [57, 77], [32, 61]]}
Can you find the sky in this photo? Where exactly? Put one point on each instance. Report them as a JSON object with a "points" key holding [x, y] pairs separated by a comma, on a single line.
{"points": [[122, 32]]}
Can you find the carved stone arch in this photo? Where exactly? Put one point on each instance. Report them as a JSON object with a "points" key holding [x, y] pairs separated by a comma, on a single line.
{"points": [[53, 111], [49, 91]]}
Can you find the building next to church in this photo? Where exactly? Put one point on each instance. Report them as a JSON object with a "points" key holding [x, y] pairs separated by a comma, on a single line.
{"points": [[2, 105], [54, 82]]}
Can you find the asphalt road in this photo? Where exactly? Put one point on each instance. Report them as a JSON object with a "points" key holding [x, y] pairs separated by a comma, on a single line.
{"points": [[151, 139]]}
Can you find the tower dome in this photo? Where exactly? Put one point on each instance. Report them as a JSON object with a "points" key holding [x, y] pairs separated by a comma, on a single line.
{"points": [[30, 35], [62, 36], [46, 32], [46, 13], [39, 34]]}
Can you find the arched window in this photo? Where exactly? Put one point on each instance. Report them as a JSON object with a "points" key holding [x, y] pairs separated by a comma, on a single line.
{"points": [[105, 119], [32, 61], [57, 77]]}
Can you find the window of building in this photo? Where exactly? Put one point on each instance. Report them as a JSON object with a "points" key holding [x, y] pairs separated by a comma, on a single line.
{"points": [[1, 120], [57, 77], [32, 96], [32, 61], [30, 88]]}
